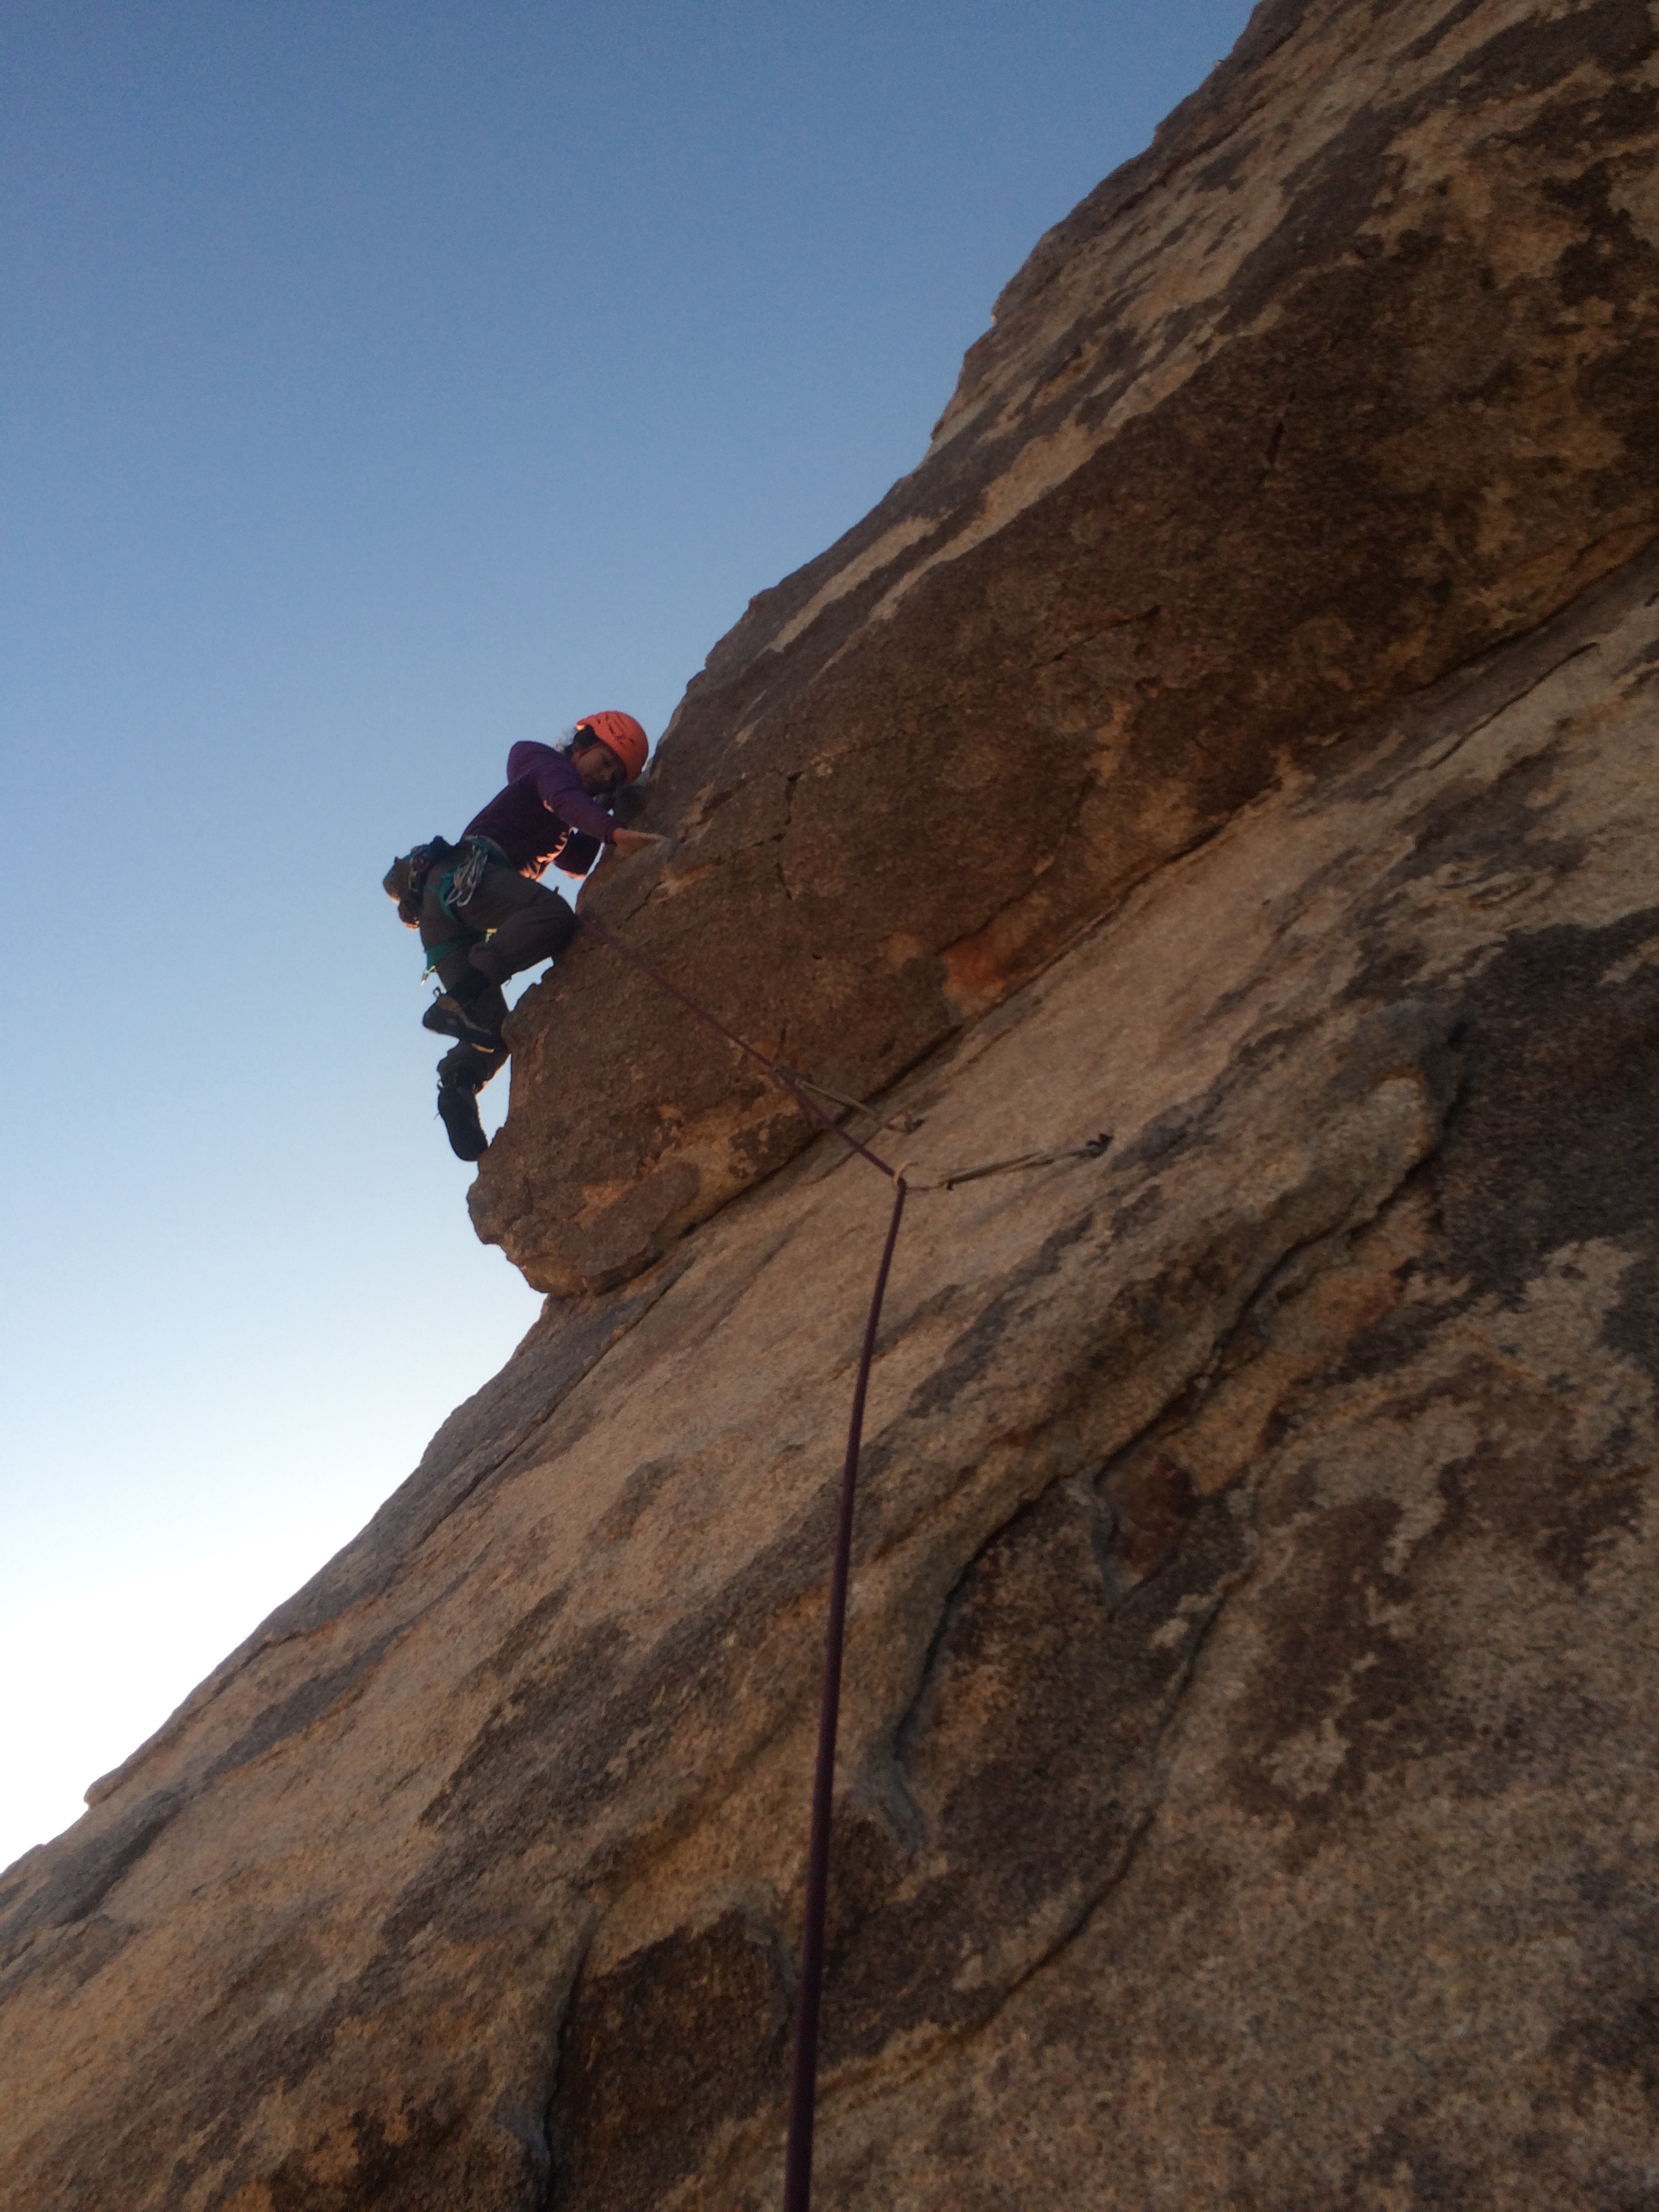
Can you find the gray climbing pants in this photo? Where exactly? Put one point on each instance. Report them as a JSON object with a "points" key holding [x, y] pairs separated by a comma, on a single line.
{"points": [[510, 923]]}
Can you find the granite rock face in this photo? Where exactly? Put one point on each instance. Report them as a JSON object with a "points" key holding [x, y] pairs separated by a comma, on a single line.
{"points": [[1247, 1792], [1347, 379]]}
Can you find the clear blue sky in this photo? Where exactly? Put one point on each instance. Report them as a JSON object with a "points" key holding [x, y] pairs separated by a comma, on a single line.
{"points": [[383, 383]]}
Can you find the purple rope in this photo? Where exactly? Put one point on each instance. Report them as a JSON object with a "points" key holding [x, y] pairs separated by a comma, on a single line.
{"points": [[804, 2069]]}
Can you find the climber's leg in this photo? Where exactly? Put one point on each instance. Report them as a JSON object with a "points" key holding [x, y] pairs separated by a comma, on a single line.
{"points": [[528, 924], [462, 1074], [468, 1006], [458, 1109]]}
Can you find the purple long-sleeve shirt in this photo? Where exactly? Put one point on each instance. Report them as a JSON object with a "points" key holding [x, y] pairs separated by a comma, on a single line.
{"points": [[544, 814]]}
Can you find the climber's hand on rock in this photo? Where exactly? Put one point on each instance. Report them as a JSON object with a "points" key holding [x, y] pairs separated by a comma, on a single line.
{"points": [[635, 840]]}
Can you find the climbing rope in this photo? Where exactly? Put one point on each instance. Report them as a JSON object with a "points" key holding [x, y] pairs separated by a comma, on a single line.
{"points": [[784, 1076], [804, 2063], [799, 1085]]}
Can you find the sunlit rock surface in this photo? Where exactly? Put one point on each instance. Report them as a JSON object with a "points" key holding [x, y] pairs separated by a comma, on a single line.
{"points": [[1248, 1788]]}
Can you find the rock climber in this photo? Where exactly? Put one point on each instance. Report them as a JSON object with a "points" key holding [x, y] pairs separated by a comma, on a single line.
{"points": [[483, 913]]}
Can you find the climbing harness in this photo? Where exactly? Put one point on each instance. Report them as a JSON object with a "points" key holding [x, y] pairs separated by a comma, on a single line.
{"points": [[455, 888], [803, 2063], [462, 869]]}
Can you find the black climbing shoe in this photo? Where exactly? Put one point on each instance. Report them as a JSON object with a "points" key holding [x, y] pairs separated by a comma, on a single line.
{"points": [[458, 1109], [447, 1016]]}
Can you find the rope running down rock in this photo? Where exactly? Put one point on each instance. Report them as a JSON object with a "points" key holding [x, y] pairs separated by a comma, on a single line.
{"points": [[803, 2074], [803, 2063]]}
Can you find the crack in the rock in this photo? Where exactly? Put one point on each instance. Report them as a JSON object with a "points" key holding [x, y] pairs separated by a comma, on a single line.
{"points": [[549, 2193], [789, 782], [1097, 1519], [1214, 1362], [1061, 945], [950, 1613], [922, 2055], [1113, 1877], [1524, 691], [1088, 637]]}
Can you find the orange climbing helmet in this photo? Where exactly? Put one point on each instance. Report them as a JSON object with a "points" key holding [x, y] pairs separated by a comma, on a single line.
{"points": [[621, 733]]}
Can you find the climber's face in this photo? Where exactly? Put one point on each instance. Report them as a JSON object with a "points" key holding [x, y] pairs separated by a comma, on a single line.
{"points": [[600, 770]]}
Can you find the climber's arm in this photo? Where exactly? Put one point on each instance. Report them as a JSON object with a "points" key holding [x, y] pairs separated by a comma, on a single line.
{"points": [[578, 853]]}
